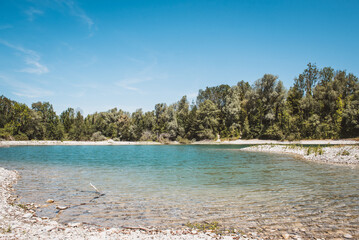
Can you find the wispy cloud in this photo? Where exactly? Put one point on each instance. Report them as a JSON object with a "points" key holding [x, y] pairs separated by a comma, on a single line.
{"points": [[76, 11], [129, 82], [6, 26], [36, 68], [144, 75], [22, 89], [32, 12], [31, 58]]}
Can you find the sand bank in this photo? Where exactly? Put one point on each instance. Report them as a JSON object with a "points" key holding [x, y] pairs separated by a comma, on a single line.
{"points": [[303, 142], [344, 155]]}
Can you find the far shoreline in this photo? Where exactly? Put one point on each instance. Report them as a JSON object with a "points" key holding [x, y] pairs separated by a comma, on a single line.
{"points": [[111, 142]]}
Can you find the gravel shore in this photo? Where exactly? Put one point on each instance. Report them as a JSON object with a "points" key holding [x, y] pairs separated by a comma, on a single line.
{"points": [[343, 155], [204, 142], [71, 143], [19, 223]]}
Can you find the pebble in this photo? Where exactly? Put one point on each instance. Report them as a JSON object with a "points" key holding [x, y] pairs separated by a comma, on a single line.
{"points": [[285, 236], [348, 236], [50, 200], [74, 224], [27, 215], [62, 207], [112, 230], [49, 228]]}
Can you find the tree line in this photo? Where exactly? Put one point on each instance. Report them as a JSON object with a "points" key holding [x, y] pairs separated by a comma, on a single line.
{"points": [[321, 104]]}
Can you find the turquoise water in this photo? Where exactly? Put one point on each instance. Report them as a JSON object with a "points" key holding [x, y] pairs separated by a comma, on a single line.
{"points": [[168, 186]]}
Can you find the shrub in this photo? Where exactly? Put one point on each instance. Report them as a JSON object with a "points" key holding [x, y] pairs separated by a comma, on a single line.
{"points": [[21, 137], [164, 138], [183, 140], [4, 134], [146, 136], [344, 153], [316, 150], [97, 136], [206, 134]]}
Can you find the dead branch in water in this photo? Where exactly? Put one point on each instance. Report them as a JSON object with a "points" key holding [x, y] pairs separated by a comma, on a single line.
{"points": [[94, 187]]}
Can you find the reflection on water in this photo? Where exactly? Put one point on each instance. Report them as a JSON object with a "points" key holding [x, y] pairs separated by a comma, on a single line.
{"points": [[168, 186]]}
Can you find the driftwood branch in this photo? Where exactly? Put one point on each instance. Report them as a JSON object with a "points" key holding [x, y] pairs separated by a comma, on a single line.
{"points": [[137, 228], [94, 188]]}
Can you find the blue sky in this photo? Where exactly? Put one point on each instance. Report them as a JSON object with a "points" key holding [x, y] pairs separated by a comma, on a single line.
{"points": [[97, 55]]}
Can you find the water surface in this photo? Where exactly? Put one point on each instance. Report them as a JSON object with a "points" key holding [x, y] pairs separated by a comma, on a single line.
{"points": [[168, 186]]}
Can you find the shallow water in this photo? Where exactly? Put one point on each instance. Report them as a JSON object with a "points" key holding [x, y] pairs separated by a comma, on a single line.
{"points": [[168, 186]]}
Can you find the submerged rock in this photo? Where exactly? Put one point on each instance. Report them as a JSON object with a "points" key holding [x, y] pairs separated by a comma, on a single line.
{"points": [[348, 236]]}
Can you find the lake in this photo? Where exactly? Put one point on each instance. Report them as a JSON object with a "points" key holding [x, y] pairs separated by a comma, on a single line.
{"points": [[169, 186]]}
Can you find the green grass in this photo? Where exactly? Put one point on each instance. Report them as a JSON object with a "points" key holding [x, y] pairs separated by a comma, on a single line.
{"points": [[344, 153], [23, 206], [7, 230], [214, 226], [316, 150]]}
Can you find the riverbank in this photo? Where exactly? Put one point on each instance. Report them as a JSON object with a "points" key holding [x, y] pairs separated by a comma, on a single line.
{"points": [[209, 142], [71, 143], [343, 155], [20, 222], [299, 142]]}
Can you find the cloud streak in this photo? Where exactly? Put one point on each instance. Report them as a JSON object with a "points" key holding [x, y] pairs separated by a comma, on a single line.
{"points": [[32, 12], [22, 89], [6, 26], [31, 58], [129, 82], [76, 11], [144, 75]]}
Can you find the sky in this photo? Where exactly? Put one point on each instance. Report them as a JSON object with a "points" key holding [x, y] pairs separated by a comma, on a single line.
{"points": [[130, 54]]}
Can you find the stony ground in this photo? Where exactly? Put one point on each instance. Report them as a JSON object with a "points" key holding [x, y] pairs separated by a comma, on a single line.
{"points": [[16, 222], [344, 155]]}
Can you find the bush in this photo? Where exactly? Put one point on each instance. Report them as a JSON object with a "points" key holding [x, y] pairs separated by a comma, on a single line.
{"points": [[183, 140], [146, 136], [273, 132], [344, 153], [5, 135], [164, 138], [206, 134], [97, 136], [291, 137], [316, 150], [21, 137]]}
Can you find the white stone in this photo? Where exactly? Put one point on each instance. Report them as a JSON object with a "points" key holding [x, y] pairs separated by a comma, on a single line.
{"points": [[348, 236], [62, 207], [27, 215]]}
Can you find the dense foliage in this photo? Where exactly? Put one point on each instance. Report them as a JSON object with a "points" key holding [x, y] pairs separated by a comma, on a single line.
{"points": [[322, 103]]}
